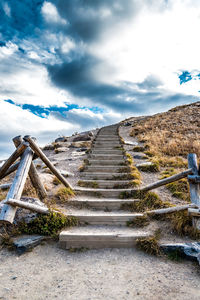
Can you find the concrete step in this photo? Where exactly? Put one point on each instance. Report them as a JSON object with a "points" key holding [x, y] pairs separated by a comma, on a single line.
{"points": [[110, 168], [106, 184], [105, 193], [97, 151], [105, 176], [106, 156], [102, 204], [93, 237], [106, 162], [104, 218]]}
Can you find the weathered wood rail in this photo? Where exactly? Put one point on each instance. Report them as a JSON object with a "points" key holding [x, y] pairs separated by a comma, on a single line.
{"points": [[26, 151], [193, 176]]}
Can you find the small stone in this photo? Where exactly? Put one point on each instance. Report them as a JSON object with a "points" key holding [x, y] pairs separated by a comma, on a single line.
{"points": [[14, 277]]}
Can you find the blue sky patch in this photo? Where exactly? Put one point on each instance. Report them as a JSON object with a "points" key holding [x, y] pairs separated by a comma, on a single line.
{"points": [[185, 77], [44, 112]]}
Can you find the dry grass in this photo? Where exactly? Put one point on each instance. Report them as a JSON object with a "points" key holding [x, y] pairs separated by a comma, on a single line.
{"points": [[150, 244], [63, 194], [29, 190], [168, 138], [173, 133]]}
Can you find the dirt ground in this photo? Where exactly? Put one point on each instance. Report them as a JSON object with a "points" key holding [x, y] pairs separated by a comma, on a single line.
{"points": [[52, 273], [48, 272]]}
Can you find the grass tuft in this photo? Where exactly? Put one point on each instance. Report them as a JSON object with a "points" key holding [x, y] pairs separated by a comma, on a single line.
{"points": [[47, 224], [63, 194], [150, 244]]}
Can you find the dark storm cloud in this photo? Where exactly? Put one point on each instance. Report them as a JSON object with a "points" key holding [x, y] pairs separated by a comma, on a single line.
{"points": [[87, 18]]}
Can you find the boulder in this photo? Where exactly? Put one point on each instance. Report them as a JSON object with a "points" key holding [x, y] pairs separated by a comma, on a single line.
{"points": [[190, 251], [48, 147], [127, 124], [61, 149], [61, 139], [85, 137], [85, 144], [131, 143], [24, 244]]}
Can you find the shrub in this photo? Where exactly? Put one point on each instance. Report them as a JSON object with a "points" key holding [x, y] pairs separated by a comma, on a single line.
{"points": [[47, 224]]}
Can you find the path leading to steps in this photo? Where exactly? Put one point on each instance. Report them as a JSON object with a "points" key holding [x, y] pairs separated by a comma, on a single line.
{"points": [[98, 203]]}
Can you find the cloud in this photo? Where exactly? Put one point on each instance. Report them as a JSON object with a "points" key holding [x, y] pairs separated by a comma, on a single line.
{"points": [[50, 13], [83, 64]]}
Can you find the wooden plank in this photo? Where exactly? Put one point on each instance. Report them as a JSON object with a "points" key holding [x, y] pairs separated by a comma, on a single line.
{"points": [[5, 186], [17, 153], [195, 212], [43, 157], [170, 209], [29, 206], [8, 212], [33, 174], [167, 180], [194, 187], [10, 170]]}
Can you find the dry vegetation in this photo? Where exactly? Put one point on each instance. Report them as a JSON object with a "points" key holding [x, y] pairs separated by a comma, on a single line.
{"points": [[167, 139], [174, 133]]}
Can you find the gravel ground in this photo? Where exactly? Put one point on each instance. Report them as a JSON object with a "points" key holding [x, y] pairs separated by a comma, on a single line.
{"points": [[52, 273]]}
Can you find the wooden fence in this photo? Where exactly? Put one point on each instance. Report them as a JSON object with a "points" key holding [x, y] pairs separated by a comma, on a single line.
{"points": [[27, 150]]}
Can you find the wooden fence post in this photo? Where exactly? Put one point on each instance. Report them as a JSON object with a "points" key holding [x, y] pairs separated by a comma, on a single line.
{"points": [[47, 162], [194, 187], [18, 152], [8, 212], [33, 174]]}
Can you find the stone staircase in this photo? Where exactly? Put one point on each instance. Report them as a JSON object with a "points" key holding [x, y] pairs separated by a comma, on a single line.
{"points": [[97, 203]]}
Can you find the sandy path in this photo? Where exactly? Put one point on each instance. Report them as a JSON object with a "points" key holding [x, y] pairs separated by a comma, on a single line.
{"points": [[52, 273]]}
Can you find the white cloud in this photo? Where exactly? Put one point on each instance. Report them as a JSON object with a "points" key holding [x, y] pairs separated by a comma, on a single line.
{"points": [[16, 121], [159, 42], [6, 9], [51, 14]]}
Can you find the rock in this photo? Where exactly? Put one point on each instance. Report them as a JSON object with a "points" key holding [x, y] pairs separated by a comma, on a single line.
{"points": [[144, 164], [82, 149], [48, 147], [127, 124], [61, 149], [131, 143], [25, 214], [66, 173], [80, 138], [86, 144], [61, 139], [187, 250], [61, 144], [140, 156], [24, 244]]}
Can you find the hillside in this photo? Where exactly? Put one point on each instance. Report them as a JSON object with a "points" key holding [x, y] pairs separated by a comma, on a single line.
{"points": [[138, 151]]}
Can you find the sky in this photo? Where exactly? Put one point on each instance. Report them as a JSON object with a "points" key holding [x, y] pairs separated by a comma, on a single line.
{"points": [[71, 66]]}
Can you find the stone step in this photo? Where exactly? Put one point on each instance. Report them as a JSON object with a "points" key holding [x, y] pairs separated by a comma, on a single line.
{"points": [[97, 147], [105, 193], [107, 139], [112, 184], [104, 218], [97, 151], [106, 156], [104, 176], [102, 204], [110, 144], [93, 237], [107, 168], [106, 162]]}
